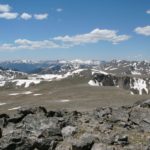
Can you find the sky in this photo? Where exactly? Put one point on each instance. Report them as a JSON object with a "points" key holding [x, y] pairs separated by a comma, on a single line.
{"points": [[74, 29]]}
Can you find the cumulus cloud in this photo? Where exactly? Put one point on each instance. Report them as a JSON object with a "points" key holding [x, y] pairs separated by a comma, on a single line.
{"points": [[59, 9], [5, 12], [26, 16], [148, 11], [94, 36], [143, 30], [26, 44], [67, 41], [4, 8], [8, 15], [41, 16]]}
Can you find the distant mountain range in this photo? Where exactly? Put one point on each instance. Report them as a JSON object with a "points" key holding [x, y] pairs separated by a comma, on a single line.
{"points": [[121, 67], [29, 66], [133, 75]]}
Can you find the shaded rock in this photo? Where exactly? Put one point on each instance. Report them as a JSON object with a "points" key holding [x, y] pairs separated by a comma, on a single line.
{"points": [[46, 143], [1, 133], [4, 116], [120, 140], [16, 119], [3, 122]]}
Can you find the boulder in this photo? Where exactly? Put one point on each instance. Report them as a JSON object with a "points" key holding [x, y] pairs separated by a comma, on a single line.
{"points": [[85, 142], [120, 114], [68, 131]]}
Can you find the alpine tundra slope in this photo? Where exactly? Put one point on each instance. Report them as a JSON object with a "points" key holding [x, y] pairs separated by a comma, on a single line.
{"points": [[73, 84]]}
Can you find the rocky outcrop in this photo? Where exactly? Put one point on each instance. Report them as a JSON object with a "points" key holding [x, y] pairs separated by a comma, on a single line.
{"points": [[124, 128], [136, 85]]}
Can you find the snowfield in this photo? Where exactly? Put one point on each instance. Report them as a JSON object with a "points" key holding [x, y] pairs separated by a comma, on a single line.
{"points": [[140, 85], [26, 83], [37, 79], [134, 84]]}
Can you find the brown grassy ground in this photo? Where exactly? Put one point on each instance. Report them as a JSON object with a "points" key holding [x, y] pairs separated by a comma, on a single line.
{"points": [[81, 95]]}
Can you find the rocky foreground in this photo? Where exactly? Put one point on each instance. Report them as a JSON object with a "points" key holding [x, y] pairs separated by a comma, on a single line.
{"points": [[126, 128]]}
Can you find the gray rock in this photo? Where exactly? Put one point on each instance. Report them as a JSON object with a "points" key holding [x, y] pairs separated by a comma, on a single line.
{"points": [[141, 117], [101, 129], [120, 140], [68, 131], [49, 132], [64, 146], [120, 114], [102, 113], [1, 133], [101, 146], [85, 142]]}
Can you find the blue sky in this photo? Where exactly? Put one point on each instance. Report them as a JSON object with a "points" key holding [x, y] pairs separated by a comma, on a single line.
{"points": [[70, 29]]}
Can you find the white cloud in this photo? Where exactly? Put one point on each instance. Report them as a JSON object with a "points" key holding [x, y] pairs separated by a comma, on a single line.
{"points": [[5, 13], [143, 30], [59, 9], [26, 16], [94, 36], [8, 15], [41, 16], [35, 44], [4, 8], [66, 41], [148, 11], [21, 44]]}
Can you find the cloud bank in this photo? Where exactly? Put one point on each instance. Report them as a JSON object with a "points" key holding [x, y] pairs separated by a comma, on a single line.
{"points": [[94, 36]]}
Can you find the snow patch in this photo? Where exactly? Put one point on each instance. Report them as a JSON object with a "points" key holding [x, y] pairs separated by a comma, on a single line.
{"points": [[93, 83], [27, 92], [135, 73], [113, 69], [14, 94], [64, 100], [22, 93], [1, 104], [107, 68], [99, 71], [37, 94], [140, 85], [15, 108], [26, 83], [2, 83], [78, 71], [131, 93]]}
